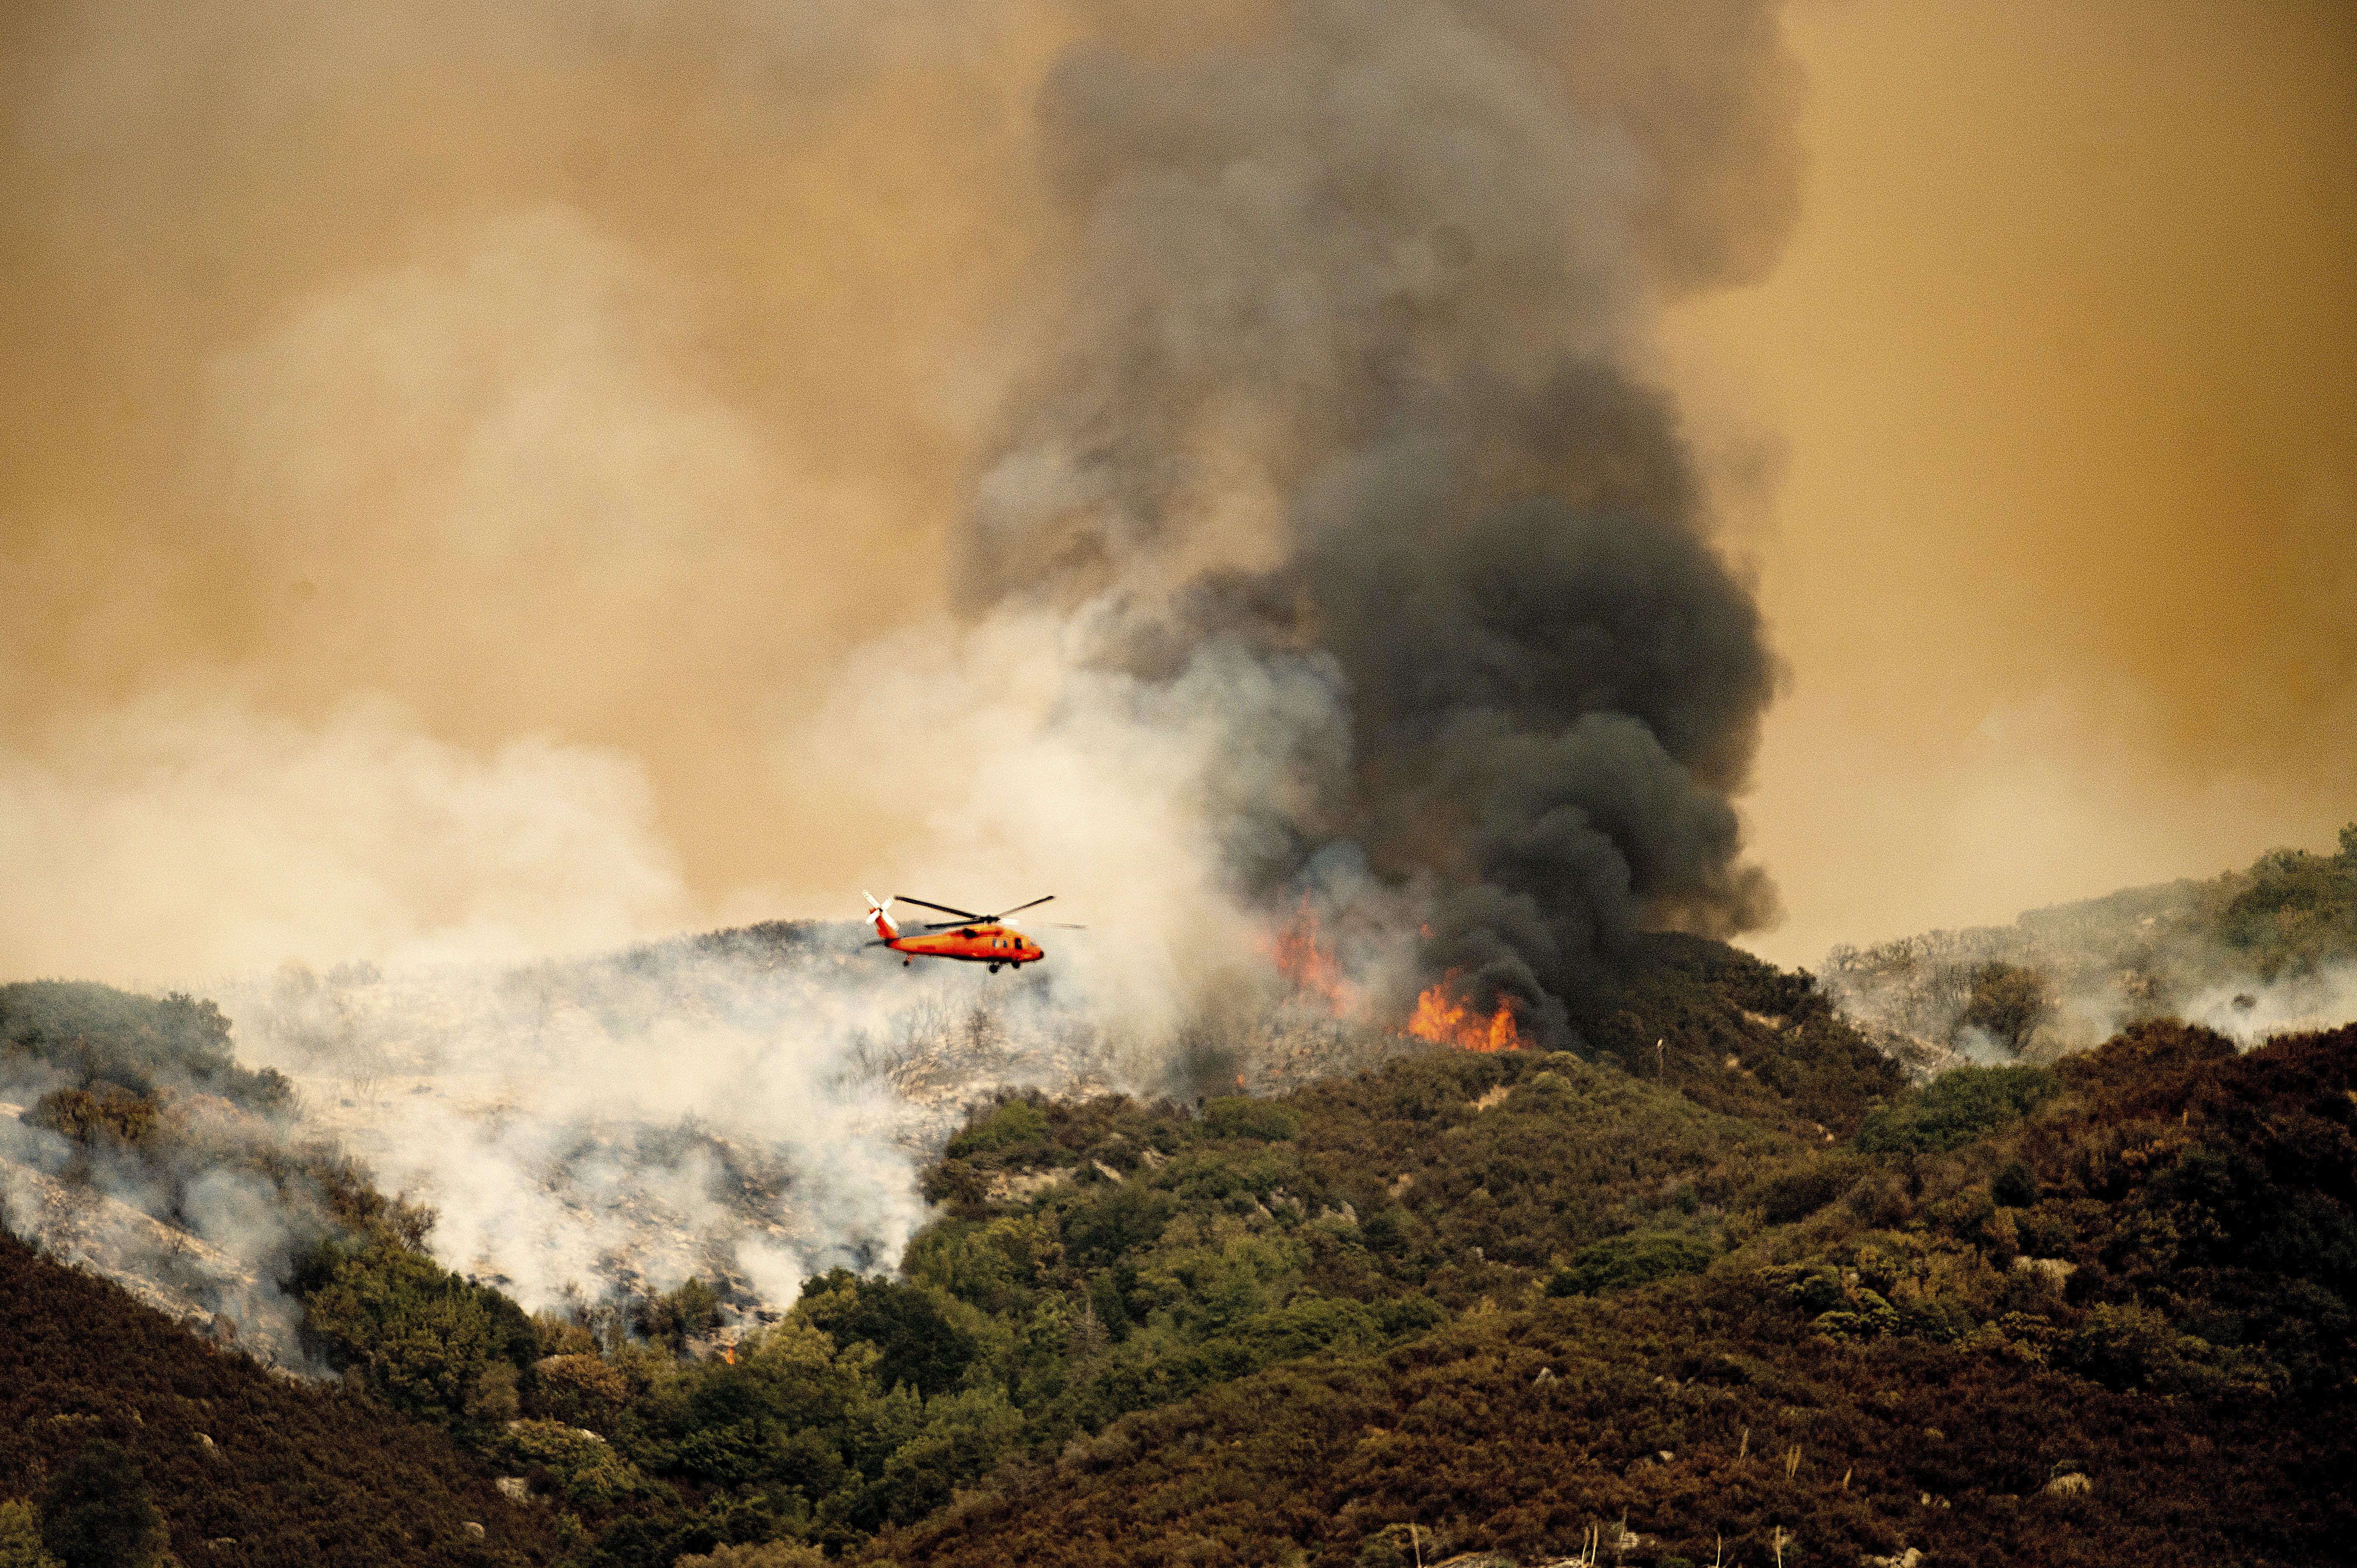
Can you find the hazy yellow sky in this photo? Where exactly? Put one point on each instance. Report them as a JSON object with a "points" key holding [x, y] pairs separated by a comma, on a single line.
{"points": [[445, 459], [2062, 368]]}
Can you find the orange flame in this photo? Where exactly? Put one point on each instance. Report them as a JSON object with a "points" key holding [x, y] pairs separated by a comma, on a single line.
{"points": [[1441, 1017], [1309, 964]]}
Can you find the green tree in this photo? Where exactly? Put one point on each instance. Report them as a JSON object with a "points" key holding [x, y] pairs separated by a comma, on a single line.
{"points": [[691, 1311], [20, 1536], [1239, 1116], [1957, 1107], [2299, 909], [2008, 1004], [1018, 1123], [428, 1342], [918, 1344], [586, 1468], [97, 1515], [1626, 1260], [579, 1391]]}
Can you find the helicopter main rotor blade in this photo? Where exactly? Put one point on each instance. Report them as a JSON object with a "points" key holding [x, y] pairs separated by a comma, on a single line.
{"points": [[1020, 907], [963, 915]]}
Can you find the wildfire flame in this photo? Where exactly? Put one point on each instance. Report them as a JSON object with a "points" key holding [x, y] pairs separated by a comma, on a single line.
{"points": [[1440, 1016], [1309, 964]]}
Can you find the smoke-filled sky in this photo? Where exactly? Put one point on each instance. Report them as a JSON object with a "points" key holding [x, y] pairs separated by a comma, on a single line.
{"points": [[2057, 392], [482, 480]]}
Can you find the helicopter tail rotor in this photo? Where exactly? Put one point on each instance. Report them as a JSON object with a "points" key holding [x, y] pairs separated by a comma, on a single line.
{"points": [[885, 926]]}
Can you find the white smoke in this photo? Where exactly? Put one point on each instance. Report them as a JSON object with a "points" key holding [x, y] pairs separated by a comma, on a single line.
{"points": [[2253, 1012], [750, 1108], [2138, 954], [1018, 770], [191, 834]]}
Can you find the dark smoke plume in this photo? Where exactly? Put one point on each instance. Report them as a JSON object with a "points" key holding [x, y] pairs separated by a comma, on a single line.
{"points": [[1345, 387]]}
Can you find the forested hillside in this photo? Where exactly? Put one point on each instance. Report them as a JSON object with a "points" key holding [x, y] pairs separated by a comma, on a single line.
{"points": [[223, 1462], [1723, 1290], [2109, 1326]]}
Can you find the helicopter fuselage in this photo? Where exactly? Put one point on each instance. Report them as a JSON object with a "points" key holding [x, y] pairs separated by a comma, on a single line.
{"points": [[985, 943], [970, 938]]}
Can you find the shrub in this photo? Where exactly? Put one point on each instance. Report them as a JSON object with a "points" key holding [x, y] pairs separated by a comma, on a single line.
{"points": [[2008, 1004], [20, 1538], [918, 1344], [768, 1554], [96, 1513], [2123, 1345], [95, 1033], [426, 1340], [579, 1391], [1626, 1260], [1014, 1124], [1799, 1193], [1239, 1116], [1127, 1218], [587, 1470], [108, 1115], [674, 1319], [1960, 1105], [2299, 909]]}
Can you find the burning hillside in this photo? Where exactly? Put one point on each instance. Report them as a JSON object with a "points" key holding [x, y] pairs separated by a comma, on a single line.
{"points": [[1342, 470], [749, 1108], [1443, 1017]]}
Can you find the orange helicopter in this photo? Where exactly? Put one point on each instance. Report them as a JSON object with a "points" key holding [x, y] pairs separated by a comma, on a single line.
{"points": [[974, 939]]}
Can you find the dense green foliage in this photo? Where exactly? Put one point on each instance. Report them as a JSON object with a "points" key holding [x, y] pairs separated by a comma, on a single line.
{"points": [[20, 1536], [1628, 1261], [422, 1339], [1097, 1260], [1488, 1293], [1957, 1108], [1906, 1361]]}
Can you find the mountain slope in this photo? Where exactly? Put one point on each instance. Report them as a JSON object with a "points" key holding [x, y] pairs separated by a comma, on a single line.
{"points": [[2170, 1377], [1726, 1282], [245, 1466]]}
